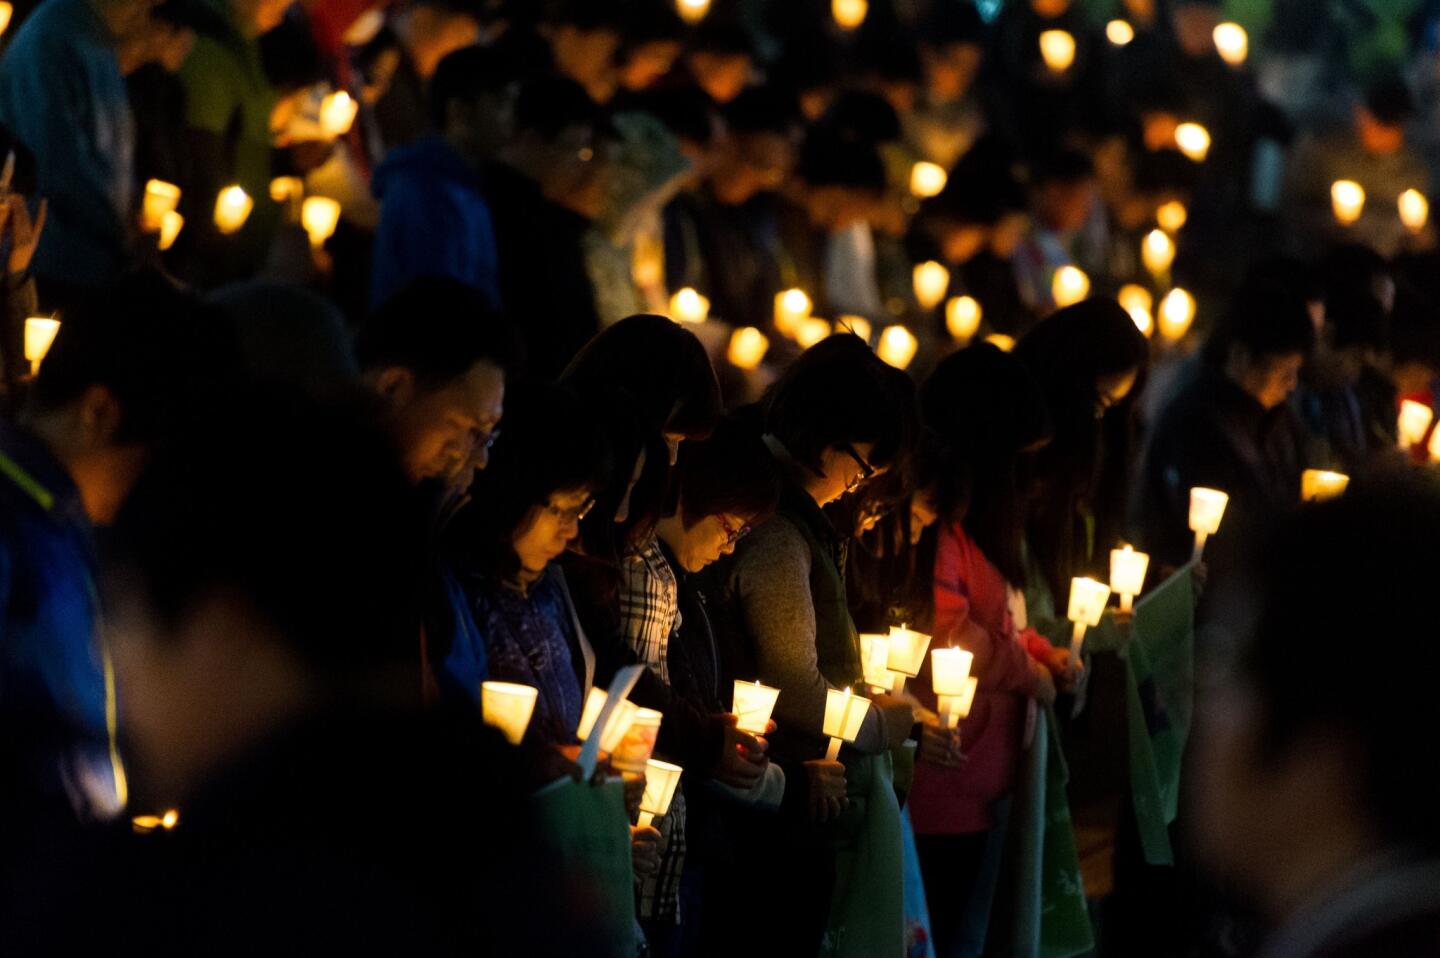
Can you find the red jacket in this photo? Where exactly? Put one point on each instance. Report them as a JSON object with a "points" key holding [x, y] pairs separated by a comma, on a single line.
{"points": [[972, 610]]}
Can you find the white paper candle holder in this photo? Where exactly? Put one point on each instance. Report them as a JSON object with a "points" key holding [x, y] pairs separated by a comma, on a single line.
{"points": [[508, 706], [752, 705], [844, 716], [661, 780]]}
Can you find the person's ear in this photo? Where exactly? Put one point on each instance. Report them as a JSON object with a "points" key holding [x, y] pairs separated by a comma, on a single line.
{"points": [[100, 416], [396, 386]]}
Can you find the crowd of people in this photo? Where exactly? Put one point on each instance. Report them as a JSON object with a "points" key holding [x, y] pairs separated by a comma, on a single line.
{"points": [[366, 365]]}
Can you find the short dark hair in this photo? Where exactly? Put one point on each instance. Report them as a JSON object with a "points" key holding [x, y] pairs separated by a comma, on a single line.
{"points": [[731, 472], [293, 506], [467, 74], [1265, 320], [152, 346], [438, 328], [547, 105], [1388, 524], [551, 442], [1390, 101], [839, 392]]}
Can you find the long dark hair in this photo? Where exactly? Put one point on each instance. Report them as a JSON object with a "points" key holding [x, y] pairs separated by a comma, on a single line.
{"points": [[986, 411], [1087, 467]]}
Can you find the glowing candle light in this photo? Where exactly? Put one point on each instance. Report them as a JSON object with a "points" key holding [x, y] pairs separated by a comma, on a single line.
{"points": [[1127, 574], [907, 654], [931, 280], [1157, 252], [1119, 32], [661, 779], [594, 703], [170, 228], [747, 348], [1088, 599], [1001, 342], [160, 198], [1414, 210], [337, 113], [150, 823], [1434, 448], [1057, 49], [1193, 140], [753, 704], [927, 179], [858, 325], [875, 661], [688, 306], [1232, 43], [897, 346], [1177, 312], [844, 716], [1317, 485], [1137, 301], [692, 11], [232, 209], [849, 14], [1069, 286], [791, 307], [7, 10], [811, 331], [283, 189], [1172, 216], [39, 336], [1414, 421], [508, 706], [1347, 200], [319, 215], [955, 708], [1207, 508], [949, 668], [962, 317], [638, 742]]}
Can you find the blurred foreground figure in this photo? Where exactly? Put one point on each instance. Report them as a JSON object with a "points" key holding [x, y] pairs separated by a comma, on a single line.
{"points": [[1314, 782]]}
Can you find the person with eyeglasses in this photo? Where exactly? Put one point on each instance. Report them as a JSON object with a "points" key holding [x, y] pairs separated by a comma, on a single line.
{"points": [[836, 417]]}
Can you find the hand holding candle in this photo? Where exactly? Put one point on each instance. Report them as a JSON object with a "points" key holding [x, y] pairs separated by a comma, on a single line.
{"points": [[844, 715], [1207, 508], [1127, 574]]}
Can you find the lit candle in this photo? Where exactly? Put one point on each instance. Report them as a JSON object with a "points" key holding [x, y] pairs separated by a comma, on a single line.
{"points": [[1317, 485], [150, 823], [791, 307], [170, 228], [618, 725], [747, 347], [844, 715], [1414, 210], [858, 325], [1232, 43], [1172, 216], [1001, 342], [907, 654], [1069, 286], [688, 306], [1119, 32], [1157, 252], [875, 661], [753, 704], [1177, 312], [1193, 140], [1088, 599], [1434, 448], [897, 346], [594, 703], [931, 280], [1137, 301], [811, 331], [1057, 49], [160, 198], [337, 112], [692, 11], [319, 215], [1127, 574], [1414, 421], [849, 14], [39, 335], [283, 189], [927, 179], [638, 742], [661, 779], [962, 317], [508, 707], [955, 708], [1347, 199], [1207, 508], [232, 209], [949, 668], [7, 10]]}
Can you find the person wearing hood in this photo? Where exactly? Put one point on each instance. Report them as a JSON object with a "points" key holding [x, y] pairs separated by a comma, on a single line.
{"points": [[434, 218]]}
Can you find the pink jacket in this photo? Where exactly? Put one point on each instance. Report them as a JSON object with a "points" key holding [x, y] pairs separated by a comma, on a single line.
{"points": [[972, 610]]}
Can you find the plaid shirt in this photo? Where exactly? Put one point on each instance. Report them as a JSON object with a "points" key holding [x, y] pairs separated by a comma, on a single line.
{"points": [[649, 616]]}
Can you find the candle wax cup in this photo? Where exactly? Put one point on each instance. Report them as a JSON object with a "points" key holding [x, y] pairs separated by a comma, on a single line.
{"points": [[752, 705], [907, 651], [638, 742], [949, 670], [508, 706], [661, 780], [844, 714]]}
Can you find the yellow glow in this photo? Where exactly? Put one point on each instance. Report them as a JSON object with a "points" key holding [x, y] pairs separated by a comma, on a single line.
{"points": [[791, 307], [688, 306], [897, 346], [931, 281], [170, 228], [1157, 252], [1057, 49], [1177, 312], [1001, 342], [1144, 320], [508, 706], [232, 209], [1127, 574], [747, 348], [1193, 140], [962, 317], [927, 179], [283, 189], [7, 10], [692, 11], [849, 14], [752, 704], [337, 113], [1232, 42], [1414, 420], [1172, 216], [319, 215], [1317, 485], [1069, 286], [39, 337], [1435, 446], [1347, 200], [160, 198], [1119, 32], [1414, 210], [949, 668], [811, 331], [1134, 297], [661, 779], [858, 325]]}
